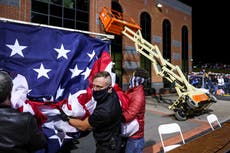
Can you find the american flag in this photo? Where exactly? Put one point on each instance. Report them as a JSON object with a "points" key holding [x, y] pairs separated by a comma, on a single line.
{"points": [[54, 67]]}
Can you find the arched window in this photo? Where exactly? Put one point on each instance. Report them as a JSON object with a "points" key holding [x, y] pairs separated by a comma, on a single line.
{"points": [[116, 50], [167, 40], [166, 46], [145, 63], [184, 47]]}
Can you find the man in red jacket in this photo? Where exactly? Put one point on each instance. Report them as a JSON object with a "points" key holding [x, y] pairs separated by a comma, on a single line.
{"points": [[136, 110]]}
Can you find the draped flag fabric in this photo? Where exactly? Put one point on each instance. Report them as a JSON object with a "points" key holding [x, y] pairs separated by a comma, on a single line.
{"points": [[54, 62], [52, 70]]}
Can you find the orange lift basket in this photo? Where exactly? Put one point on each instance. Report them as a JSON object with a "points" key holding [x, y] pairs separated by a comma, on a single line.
{"points": [[114, 21]]}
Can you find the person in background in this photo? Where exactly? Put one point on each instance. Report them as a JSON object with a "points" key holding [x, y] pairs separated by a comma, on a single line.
{"points": [[221, 83], [136, 110], [19, 131], [105, 121], [208, 83], [215, 84]]}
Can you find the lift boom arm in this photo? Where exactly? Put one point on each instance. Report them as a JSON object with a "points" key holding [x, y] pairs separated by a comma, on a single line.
{"points": [[114, 22]]}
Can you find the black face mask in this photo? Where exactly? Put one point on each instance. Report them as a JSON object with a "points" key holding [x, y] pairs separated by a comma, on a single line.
{"points": [[100, 95]]}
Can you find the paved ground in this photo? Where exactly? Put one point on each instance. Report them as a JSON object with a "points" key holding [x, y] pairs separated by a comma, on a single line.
{"points": [[158, 113]]}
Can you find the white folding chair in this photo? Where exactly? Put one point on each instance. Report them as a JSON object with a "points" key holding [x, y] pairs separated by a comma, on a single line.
{"points": [[213, 120], [170, 128]]}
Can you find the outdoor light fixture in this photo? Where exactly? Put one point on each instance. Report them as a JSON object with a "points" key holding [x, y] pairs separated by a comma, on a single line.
{"points": [[159, 5]]}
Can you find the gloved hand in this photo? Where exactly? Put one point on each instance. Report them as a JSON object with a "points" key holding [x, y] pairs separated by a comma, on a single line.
{"points": [[63, 116]]}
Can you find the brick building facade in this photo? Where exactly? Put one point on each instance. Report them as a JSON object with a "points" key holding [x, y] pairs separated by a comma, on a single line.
{"points": [[169, 27]]}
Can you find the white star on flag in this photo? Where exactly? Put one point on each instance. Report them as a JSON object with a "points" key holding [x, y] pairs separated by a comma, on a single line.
{"points": [[59, 92], [42, 71], [86, 73], [62, 52], [75, 71], [16, 48], [91, 55]]}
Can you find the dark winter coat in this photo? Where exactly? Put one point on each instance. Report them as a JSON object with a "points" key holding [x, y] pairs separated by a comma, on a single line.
{"points": [[19, 132]]}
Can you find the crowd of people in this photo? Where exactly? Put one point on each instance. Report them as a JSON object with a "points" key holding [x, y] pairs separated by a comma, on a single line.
{"points": [[218, 66], [215, 83]]}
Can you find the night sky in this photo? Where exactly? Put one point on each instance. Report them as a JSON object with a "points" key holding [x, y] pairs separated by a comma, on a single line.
{"points": [[210, 31]]}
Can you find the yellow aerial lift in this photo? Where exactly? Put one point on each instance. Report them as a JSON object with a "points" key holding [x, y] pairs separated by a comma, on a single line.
{"points": [[191, 101]]}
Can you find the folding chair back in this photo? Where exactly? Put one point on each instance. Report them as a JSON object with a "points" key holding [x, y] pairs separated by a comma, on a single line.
{"points": [[170, 128], [213, 120]]}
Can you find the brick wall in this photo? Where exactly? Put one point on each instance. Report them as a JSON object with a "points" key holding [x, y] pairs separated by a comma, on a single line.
{"points": [[20, 10], [15, 9]]}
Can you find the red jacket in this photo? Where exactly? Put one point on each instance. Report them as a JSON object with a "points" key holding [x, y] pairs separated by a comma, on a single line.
{"points": [[136, 109]]}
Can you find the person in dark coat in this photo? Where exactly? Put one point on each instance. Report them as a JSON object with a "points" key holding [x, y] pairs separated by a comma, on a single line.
{"points": [[19, 131]]}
